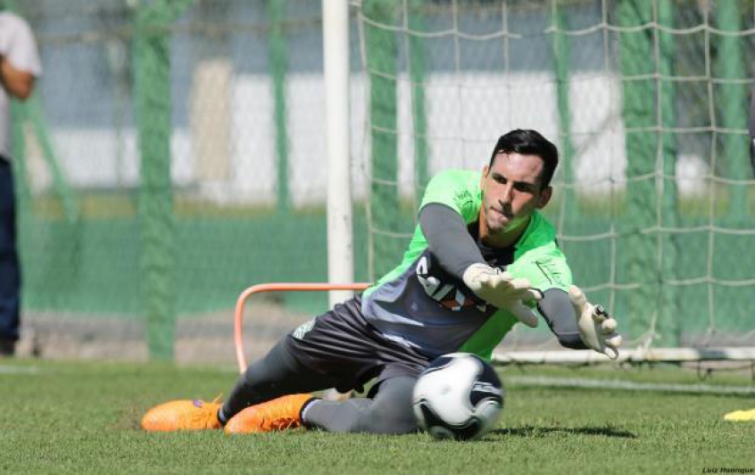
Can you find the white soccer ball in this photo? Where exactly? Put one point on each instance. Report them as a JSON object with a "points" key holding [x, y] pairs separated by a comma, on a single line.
{"points": [[459, 396]]}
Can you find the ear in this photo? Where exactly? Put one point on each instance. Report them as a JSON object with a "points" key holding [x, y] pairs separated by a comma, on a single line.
{"points": [[545, 197], [485, 171]]}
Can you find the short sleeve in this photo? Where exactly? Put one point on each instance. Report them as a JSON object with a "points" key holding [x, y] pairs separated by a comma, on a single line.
{"points": [[457, 189], [19, 44]]}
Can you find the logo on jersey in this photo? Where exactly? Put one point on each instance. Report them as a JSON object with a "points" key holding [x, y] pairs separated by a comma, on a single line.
{"points": [[551, 271], [303, 329], [447, 294]]}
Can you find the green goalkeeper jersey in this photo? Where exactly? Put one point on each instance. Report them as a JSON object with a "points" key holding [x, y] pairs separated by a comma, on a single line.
{"points": [[420, 305]]}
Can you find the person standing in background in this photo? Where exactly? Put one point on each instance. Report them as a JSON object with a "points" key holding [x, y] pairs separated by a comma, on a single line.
{"points": [[20, 65]]}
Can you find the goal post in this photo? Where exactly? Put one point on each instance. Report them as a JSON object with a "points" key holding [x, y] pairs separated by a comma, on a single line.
{"points": [[339, 200]]}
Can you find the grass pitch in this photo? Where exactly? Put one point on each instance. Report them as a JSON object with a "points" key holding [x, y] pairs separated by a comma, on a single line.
{"points": [[83, 418]]}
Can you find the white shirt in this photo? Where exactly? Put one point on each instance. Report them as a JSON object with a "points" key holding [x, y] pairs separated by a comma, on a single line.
{"points": [[17, 45]]}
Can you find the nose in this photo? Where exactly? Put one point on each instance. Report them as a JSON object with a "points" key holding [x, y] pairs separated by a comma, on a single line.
{"points": [[505, 196]]}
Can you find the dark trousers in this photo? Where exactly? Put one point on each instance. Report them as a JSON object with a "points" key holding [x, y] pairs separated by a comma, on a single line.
{"points": [[10, 275]]}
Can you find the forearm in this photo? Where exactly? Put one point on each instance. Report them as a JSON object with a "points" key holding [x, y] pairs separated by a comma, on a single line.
{"points": [[448, 239], [559, 314], [19, 84]]}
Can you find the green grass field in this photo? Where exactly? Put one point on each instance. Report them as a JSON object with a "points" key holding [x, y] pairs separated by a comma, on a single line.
{"points": [[83, 418]]}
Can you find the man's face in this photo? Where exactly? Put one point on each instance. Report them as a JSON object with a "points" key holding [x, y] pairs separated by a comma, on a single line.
{"points": [[511, 191]]}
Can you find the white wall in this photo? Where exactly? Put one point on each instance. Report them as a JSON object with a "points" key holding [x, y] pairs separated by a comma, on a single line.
{"points": [[466, 114]]}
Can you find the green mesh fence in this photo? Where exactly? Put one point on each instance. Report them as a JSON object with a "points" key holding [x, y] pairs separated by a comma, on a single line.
{"points": [[174, 155]]}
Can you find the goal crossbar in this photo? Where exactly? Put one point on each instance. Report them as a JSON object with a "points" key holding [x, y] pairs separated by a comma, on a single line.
{"points": [[640, 355]]}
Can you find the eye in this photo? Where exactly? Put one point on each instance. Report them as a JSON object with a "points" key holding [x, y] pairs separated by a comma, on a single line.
{"points": [[524, 188]]}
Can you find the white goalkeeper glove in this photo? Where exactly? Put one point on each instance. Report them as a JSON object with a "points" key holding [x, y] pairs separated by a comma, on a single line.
{"points": [[502, 290], [596, 327]]}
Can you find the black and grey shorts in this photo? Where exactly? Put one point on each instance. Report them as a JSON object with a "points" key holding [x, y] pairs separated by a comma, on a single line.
{"points": [[342, 346]]}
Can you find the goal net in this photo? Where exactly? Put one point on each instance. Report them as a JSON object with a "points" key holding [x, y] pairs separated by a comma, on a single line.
{"points": [[647, 101]]}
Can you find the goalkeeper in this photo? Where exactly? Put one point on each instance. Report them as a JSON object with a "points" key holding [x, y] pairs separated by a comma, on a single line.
{"points": [[481, 257]]}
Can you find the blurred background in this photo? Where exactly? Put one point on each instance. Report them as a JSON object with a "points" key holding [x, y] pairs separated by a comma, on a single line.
{"points": [[174, 154]]}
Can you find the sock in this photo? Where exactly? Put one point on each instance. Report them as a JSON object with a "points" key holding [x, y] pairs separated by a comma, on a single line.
{"points": [[305, 408], [221, 417]]}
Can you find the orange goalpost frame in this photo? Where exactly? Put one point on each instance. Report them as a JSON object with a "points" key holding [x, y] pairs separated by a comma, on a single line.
{"points": [[238, 323]]}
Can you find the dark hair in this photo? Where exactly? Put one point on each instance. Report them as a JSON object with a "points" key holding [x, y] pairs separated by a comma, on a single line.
{"points": [[529, 142]]}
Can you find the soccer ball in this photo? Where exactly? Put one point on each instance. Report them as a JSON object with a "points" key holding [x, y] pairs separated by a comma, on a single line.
{"points": [[459, 396]]}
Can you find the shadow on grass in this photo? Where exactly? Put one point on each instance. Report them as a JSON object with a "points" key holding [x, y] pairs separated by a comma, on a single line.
{"points": [[534, 431]]}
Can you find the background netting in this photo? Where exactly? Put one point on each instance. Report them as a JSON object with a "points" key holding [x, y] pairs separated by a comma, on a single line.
{"points": [[174, 154], [647, 101], [120, 255]]}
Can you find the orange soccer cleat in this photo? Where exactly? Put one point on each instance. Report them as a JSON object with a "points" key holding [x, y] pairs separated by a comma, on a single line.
{"points": [[278, 414], [182, 415]]}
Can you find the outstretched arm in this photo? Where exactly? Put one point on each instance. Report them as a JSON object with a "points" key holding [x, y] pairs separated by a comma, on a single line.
{"points": [[557, 309], [578, 324], [457, 253], [448, 239]]}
